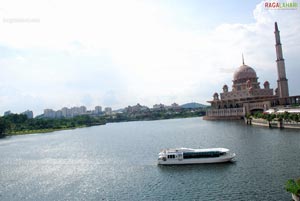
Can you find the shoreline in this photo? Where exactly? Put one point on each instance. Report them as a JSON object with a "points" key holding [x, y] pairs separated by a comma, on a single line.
{"points": [[41, 131]]}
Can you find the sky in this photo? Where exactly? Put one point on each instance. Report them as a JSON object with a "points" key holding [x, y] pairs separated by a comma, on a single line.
{"points": [[56, 54]]}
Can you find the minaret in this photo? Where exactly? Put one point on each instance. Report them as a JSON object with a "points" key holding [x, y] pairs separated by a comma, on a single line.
{"points": [[282, 82], [243, 59]]}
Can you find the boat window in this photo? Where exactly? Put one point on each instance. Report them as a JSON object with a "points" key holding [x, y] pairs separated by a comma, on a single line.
{"points": [[209, 154]]}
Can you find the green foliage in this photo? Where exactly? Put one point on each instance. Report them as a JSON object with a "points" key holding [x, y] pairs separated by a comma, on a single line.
{"points": [[289, 116], [280, 116], [258, 115], [3, 127], [248, 115], [293, 186], [18, 123], [294, 117], [286, 116], [269, 117]]}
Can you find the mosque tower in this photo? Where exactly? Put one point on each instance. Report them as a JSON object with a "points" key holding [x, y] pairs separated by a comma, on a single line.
{"points": [[282, 82]]}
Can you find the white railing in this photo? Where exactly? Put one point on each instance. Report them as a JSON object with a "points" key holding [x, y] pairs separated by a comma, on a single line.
{"points": [[225, 112]]}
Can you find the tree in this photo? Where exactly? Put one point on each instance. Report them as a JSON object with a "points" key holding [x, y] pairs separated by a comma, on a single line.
{"points": [[3, 127], [286, 116], [294, 117], [269, 118]]}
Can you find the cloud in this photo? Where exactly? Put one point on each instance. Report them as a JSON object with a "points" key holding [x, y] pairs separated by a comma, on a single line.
{"points": [[119, 53]]}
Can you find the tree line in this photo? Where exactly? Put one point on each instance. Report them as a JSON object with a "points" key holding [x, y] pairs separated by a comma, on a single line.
{"points": [[20, 123]]}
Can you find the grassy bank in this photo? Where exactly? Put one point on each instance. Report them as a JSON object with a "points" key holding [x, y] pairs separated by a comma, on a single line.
{"points": [[48, 130]]}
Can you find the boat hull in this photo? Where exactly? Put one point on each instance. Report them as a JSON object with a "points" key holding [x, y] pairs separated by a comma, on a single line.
{"points": [[221, 159]]}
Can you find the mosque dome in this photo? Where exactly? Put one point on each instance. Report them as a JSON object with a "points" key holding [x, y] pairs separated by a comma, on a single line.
{"points": [[216, 96], [266, 85], [225, 88], [244, 72]]}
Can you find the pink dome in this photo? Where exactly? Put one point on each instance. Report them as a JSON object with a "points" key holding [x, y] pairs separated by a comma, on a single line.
{"points": [[244, 72], [266, 85]]}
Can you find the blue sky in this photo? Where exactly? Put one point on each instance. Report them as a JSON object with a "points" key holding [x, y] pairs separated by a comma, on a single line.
{"points": [[217, 11], [119, 53]]}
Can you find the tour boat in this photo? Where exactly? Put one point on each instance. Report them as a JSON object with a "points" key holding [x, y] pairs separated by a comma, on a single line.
{"points": [[180, 156]]}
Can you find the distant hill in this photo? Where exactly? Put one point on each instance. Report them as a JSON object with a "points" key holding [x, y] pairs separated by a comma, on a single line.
{"points": [[119, 110], [193, 105], [39, 116]]}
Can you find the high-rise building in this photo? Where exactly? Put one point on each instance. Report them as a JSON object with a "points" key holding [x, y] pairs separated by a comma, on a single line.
{"points": [[98, 110], [108, 110], [82, 110], [58, 114], [65, 112], [49, 113], [28, 113], [7, 113]]}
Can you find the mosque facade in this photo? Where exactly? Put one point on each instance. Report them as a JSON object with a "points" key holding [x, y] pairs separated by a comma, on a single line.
{"points": [[247, 96]]}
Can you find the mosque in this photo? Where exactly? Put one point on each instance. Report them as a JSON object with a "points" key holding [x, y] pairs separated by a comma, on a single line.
{"points": [[247, 97]]}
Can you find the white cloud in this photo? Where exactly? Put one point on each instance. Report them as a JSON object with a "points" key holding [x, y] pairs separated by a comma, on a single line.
{"points": [[124, 52]]}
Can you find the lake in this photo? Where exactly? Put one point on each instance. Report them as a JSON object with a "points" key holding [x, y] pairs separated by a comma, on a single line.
{"points": [[117, 161]]}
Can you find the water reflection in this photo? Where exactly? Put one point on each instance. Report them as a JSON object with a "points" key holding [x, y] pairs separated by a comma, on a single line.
{"points": [[196, 167], [118, 162]]}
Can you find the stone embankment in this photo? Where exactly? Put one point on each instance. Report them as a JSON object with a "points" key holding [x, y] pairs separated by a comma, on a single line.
{"points": [[273, 123], [222, 118]]}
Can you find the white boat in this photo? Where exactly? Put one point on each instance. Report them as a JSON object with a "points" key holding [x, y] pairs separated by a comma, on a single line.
{"points": [[180, 156]]}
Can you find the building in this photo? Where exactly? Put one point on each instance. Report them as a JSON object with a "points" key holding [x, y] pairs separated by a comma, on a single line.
{"points": [[49, 113], [71, 112], [98, 110], [76, 111], [159, 107], [175, 106], [247, 96], [136, 109], [7, 113], [58, 114], [108, 111], [82, 110], [28, 113], [66, 112]]}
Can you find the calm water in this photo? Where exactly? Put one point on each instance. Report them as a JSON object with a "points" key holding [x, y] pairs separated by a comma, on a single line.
{"points": [[118, 162]]}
